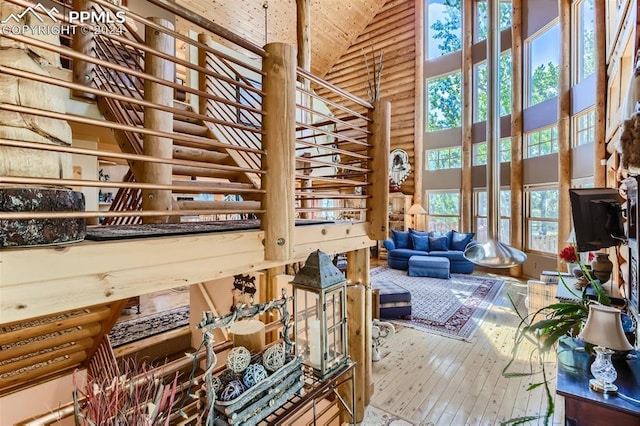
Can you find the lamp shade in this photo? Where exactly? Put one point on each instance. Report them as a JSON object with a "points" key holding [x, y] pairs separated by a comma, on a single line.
{"points": [[604, 328], [416, 209]]}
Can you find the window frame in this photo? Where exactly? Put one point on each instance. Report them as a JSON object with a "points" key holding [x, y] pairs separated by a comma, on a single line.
{"points": [[528, 72], [529, 220], [430, 215], [442, 150], [427, 109], [578, 43], [528, 137], [477, 216], [576, 131]]}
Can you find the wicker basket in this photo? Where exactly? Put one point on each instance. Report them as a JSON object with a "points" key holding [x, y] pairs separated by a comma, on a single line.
{"points": [[264, 398]]}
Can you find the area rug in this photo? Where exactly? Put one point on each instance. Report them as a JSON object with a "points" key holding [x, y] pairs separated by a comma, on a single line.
{"points": [[149, 325], [453, 308]]}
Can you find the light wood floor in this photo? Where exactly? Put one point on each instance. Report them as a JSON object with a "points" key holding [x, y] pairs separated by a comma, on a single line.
{"points": [[427, 379]]}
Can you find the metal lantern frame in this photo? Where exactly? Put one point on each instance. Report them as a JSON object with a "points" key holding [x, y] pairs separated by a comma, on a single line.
{"points": [[320, 293]]}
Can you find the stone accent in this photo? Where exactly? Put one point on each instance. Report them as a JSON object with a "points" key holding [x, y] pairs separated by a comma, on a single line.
{"points": [[23, 127], [45, 57], [29, 232]]}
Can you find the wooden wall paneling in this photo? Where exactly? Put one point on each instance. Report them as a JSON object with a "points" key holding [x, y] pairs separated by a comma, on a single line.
{"points": [[393, 31], [467, 119], [601, 94], [564, 125], [334, 26], [517, 213]]}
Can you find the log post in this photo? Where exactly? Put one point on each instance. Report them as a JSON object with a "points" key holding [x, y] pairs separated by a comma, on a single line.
{"points": [[516, 131], [564, 124], [155, 146], [358, 267], [303, 10], [599, 144], [83, 71], [379, 141], [356, 330], [279, 104], [203, 78], [467, 121], [269, 291]]}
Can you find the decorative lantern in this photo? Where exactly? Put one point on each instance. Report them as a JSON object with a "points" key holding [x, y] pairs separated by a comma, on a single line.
{"points": [[319, 314]]}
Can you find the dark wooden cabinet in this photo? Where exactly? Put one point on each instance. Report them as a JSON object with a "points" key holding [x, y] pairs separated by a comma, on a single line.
{"points": [[586, 407]]}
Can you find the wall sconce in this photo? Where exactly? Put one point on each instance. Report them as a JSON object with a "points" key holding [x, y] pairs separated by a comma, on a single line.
{"points": [[604, 329], [320, 314]]}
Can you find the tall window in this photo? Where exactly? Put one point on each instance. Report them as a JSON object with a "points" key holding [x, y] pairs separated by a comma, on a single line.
{"points": [[444, 27], [481, 92], [445, 158], [586, 40], [481, 16], [585, 127], [480, 152], [444, 211], [480, 208], [543, 66], [542, 220], [444, 102], [542, 142]]}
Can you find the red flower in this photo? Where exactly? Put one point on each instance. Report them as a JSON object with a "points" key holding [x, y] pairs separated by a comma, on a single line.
{"points": [[569, 254]]}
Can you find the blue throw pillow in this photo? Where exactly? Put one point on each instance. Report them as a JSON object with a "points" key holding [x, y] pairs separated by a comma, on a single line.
{"points": [[420, 242], [438, 244], [421, 233], [400, 238], [459, 240]]}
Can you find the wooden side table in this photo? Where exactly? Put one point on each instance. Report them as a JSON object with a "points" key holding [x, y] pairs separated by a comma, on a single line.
{"points": [[586, 407]]}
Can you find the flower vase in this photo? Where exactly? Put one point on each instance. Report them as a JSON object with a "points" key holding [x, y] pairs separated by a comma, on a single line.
{"points": [[602, 267], [571, 266]]}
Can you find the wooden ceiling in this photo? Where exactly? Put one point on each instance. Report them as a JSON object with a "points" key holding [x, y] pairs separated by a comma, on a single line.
{"points": [[335, 23]]}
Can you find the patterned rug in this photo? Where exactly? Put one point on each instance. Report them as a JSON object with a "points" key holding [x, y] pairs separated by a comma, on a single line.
{"points": [[148, 325], [452, 308]]}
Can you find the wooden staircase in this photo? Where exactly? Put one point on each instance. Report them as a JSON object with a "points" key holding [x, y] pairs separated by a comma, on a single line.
{"points": [[203, 161], [43, 348], [207, 163]]}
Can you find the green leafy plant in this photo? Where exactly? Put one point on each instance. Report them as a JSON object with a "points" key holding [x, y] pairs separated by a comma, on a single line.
{"points": [[564, 318]]}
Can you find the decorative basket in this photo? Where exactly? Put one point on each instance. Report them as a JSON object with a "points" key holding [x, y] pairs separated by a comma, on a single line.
{"points": [[262, 399]]}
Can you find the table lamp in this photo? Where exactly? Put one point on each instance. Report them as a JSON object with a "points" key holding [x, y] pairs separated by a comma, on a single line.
{"points": [[604, 329], [415, 210]]}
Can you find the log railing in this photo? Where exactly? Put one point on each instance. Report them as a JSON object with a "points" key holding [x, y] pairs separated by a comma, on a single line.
{"points": [[320, 162]]}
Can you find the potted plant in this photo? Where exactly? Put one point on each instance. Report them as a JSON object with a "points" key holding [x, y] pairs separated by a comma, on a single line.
{"points": [[564, 318]]}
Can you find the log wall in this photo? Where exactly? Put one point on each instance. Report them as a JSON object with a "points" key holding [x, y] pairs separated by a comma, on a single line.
{"points": [[392, 30]]}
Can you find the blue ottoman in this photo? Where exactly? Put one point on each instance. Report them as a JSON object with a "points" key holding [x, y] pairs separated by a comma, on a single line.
{"points": [[395, 301], [429, 266]]}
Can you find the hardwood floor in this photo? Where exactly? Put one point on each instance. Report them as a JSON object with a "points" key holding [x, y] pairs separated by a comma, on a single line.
{"points": [[427, 379]]}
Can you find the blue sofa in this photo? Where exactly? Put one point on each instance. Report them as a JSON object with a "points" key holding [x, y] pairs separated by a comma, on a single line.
{"points": [[402, 245]]}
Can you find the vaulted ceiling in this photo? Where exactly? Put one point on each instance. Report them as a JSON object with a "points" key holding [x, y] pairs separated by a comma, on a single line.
{"points": [[335, 23]]}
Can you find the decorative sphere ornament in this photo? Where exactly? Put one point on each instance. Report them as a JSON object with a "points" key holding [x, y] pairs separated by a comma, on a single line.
{"points": [[238, 359], [254, 374], [233, 390], [273, 357], [216, 384]]}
